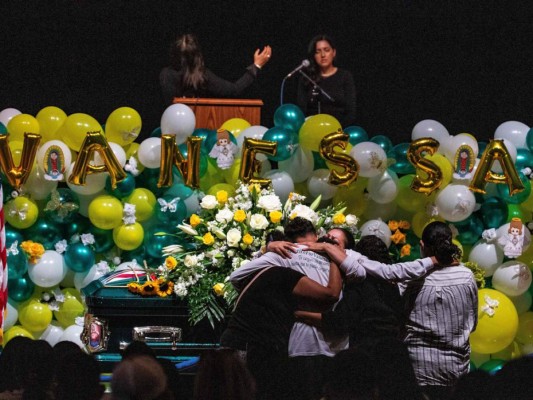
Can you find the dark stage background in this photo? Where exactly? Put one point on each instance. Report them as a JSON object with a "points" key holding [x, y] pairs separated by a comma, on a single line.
{"points": [[466, 64]]}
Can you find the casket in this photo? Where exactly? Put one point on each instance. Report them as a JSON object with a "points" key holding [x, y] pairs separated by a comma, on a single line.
{"points": [[115, 317]]}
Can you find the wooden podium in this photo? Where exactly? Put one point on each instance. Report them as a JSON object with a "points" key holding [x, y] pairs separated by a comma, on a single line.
{"points": [[212, 113]]}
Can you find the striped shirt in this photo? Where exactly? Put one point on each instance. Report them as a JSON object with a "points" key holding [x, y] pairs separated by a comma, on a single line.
{"points": [[441, 311]]}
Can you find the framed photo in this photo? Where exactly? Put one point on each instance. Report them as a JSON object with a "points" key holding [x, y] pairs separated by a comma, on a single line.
{"points": [[95, 334]]}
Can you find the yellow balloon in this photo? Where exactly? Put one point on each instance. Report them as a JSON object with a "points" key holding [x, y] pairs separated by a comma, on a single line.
{"points": [[352, 197], [524, 335], [222, 186], [302, 189], [315, 128], [50, 120], [123, 126], [128, 237], [407, 198], [231, 175], [68, 311], [235, 126], [16, 150], [75, 129], [105, 212], [34, 315], [20, 124], [494, 333], [420, 220], [144, 201], [445, 166], [21, 212], [509, 353], [15, 331]]}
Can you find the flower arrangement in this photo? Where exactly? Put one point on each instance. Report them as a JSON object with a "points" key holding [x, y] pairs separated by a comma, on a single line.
{"points": [[33, 250], [226, 233], [404, 245]]}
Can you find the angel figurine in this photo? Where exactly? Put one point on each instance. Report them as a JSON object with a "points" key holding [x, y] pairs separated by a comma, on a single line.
{"points": [[224, 150], [513, 241]]}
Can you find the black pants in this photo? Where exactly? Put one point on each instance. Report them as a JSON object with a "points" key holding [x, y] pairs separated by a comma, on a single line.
{"points": [[437, 392], [308, 376]]}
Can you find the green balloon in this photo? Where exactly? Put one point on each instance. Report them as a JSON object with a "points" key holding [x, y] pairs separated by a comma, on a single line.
{"points": [[356, 134], [383, 141], [401, 164], [289, 116], [529, 139], [493, 212], [517, 198], [524, 158], [286, 140]]}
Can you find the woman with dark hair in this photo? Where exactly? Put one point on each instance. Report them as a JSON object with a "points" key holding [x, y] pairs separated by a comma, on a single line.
{"points": [[187, 75], [441, 312], [336, 82]]}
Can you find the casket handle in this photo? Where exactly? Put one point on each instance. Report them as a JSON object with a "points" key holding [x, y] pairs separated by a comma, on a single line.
{"points": [[158, 334]]}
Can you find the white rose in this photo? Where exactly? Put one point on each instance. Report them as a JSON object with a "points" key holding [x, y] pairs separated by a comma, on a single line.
{"points": [[224, 215], [351, 220], [209, 202], [190, 260], [269, 202], [180, 289], [233, 237], [303, 211], [258, 221]]}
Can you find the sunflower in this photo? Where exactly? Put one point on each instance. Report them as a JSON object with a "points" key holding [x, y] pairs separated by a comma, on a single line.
{"points": [[149, 288], [134, 287], [164, 288]]}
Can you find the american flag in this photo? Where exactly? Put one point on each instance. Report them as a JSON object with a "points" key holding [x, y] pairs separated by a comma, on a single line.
{"points": [[3, 266]]}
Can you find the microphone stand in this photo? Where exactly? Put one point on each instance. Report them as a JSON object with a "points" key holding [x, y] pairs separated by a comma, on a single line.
{"points": [[316, 90]]}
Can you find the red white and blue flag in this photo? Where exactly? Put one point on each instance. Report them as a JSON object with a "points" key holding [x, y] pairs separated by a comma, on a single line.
{"points": [[3, 266]]}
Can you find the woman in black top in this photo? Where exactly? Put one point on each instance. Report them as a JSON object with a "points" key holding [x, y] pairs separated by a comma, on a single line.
{"points": [[336, 82], [187, 76]]}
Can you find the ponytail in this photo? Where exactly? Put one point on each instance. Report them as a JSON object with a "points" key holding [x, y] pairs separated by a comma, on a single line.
{"points": [[437, 238]]}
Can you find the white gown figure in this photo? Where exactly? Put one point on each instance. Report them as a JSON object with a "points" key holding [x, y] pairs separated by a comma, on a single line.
{"points": [[224, 150], [513, 241]]}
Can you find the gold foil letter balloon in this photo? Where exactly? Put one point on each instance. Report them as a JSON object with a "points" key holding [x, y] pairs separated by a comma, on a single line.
{"points": [[171, 155], [434, 174], [327, 151], [250, 166], [17, 175]]}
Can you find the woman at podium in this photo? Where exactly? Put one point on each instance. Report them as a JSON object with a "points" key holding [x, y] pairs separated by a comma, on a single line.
{"points": [[187, 76]]}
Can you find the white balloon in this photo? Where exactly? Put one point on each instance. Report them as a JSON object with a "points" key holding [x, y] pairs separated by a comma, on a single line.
{"points": [[266, 166], [72, 334], [383, 188], [522, 302], [94, 183], [68, 280], [65, 157], [37, 185], [192, 203], [455, 203], [53, 333], [511, 149], [488, 256], [252, 132], [12, 316], [178, 119], [384, 212], [82, 279], [117, 150], [371, 158], [429, 128], [514, 131], [149, 152], [300, 165], [6, 114], [512, 278], [49, 270], [453, 144], [377, 228], [318, 184], [282, 183]]}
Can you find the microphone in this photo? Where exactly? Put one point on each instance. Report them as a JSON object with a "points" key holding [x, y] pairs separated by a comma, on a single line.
{"points": [[303, 64]]}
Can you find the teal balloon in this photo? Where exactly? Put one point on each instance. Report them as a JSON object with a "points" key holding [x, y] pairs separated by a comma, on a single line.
{"points": [[320, 163], [481, 146], [148, 179], [203, 158], [287, 142], [517, 198], [170, 210], [46, 232], [529, 139], [20, 289], [401, 164], [138, 254], [103, 239], [289, 116], [179, 190], [154, 244], [469, 230], [492, 366], [123, 188], [383, 141], [524, 158], [12, 235], [80, 225], [156, 132], [211, 139], [17, 264], [3, 129], [204, 133], [356, 134], [62, 206], [493, 212], [79, 258]]}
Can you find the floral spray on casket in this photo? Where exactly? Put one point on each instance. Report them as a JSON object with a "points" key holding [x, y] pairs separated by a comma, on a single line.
{"points": [[226, 233]]}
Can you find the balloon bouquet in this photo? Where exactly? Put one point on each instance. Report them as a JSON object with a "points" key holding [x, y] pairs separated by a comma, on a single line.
{"points": [[479, 188]]}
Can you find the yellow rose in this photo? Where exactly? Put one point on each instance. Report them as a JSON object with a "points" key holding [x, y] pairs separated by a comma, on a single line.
{"points": [[170, 262], [398, 237], [208, 239], [404, 225], [405, 250], [393, 225], [275, 216], [254, 187], [194, 220], [219, 289], [26, 245], [36, 249], [247, 239], [222, 196], [339, 219], [239, 216]]}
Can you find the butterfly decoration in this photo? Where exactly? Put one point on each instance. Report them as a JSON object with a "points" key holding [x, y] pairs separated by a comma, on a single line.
{"points": [[170, 206], [63, 209], [490, 306]]}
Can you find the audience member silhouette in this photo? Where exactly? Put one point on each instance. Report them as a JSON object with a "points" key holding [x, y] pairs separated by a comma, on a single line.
{"points": [[78, 377]]}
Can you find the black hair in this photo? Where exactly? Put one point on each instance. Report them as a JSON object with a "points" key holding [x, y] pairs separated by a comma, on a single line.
{"points": [[437, 239], [274, 236], [298, 227], [349, 239], [374, 248], [186, 55], [311, 49]]}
